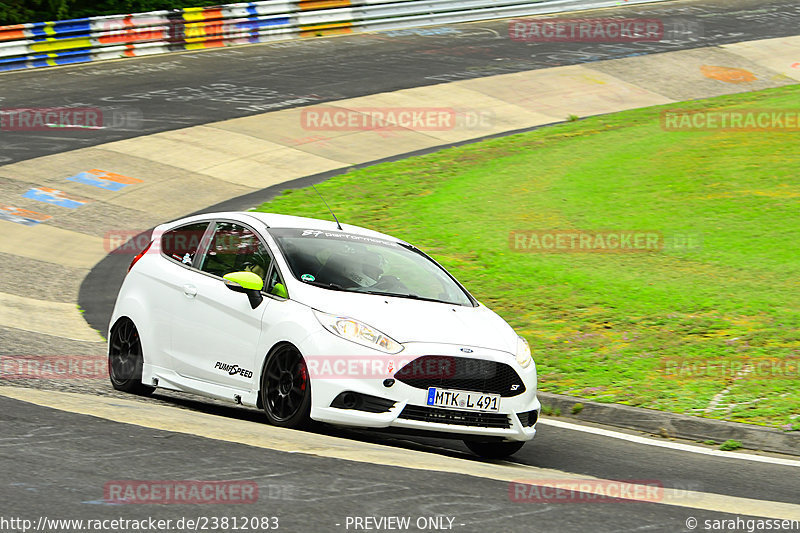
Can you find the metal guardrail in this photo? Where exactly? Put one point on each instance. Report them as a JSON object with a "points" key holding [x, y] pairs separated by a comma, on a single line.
{"points": [[42, 44]]}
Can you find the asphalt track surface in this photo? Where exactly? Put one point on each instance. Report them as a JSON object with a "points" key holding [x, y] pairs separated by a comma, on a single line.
{"points": [[55, 464], [74, 456], [81, 454]]}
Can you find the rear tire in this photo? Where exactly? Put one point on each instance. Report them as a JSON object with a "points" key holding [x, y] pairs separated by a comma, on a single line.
{"points": [[494, 450], [125, 359], [286, 388]]}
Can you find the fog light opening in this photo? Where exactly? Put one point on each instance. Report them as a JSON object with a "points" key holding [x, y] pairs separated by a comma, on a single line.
{"points": [[350, 400]]}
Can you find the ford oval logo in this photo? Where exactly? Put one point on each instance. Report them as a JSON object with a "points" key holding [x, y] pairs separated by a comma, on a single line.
{"points": [[466, 350]]}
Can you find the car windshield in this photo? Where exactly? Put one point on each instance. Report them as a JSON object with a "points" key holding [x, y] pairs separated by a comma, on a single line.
{"points": [[337, 260]]}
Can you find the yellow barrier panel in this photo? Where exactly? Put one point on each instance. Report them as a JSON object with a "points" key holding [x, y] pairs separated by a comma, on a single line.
{"points": [[308, 5], [326, 29], [60, 44], [193, 14]]}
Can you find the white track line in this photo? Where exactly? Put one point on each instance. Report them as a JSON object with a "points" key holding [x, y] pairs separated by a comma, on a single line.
{"points": [[666, 444]]}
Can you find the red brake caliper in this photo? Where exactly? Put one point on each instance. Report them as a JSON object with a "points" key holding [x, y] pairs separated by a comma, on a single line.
{"points": [[304, 377]]}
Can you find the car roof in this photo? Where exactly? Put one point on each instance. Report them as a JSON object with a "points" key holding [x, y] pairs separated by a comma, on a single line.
{"points": [[274, 220]]}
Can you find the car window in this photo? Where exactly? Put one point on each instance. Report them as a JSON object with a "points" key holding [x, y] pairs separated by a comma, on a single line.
{"points": [[358, 263], [274, 284], [181, 244], [235, 248]]}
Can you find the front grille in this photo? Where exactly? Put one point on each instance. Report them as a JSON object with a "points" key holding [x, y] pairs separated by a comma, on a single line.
{"points": [[528, 418], [461, 373], [455, 417]]}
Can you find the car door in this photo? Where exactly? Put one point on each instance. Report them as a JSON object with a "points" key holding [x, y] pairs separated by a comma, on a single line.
{"points": [[216, 330], [179, 247]]}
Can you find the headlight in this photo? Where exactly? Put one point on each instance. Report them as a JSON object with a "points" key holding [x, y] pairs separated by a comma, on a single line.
{"points": [[358, 332], [524, 358]]}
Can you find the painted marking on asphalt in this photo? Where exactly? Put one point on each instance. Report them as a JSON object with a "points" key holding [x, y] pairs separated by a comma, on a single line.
{"points": [[103, 179], [160, 417], [55, 197], [21, 216], [667, 444], [728, 74]]}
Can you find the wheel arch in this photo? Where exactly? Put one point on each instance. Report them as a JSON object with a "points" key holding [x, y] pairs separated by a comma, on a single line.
{"points": [[130, 380], [132, 308], [263, 367]]}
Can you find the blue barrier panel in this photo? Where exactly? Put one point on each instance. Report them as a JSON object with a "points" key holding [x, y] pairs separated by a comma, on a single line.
{"points": [[67, 59], [59, 28]]}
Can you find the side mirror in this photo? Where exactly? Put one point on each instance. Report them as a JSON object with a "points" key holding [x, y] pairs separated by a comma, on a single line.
{"points": [[280, 290], [247, 282]]}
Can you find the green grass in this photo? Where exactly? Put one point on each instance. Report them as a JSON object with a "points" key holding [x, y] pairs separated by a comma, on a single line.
{"points": [[606, 326]]}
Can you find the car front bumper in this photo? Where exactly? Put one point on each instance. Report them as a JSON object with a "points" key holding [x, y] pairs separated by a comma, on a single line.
{"points": [[348, 367]]}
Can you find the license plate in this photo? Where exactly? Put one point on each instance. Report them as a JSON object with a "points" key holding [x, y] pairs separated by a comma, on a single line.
{"points": [[459, 399]]}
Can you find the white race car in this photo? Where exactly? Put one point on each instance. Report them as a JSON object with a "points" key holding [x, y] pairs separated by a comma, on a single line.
{"points": [[312, 320]]}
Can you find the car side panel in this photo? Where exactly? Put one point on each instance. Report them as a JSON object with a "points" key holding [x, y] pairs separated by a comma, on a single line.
{"points": [[215, 332], [143, 298]]}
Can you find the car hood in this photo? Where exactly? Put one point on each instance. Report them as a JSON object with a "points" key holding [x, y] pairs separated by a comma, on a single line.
{"points": [[407, 320]]}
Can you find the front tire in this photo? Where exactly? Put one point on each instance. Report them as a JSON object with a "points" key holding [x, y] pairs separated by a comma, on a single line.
{"points": [[494, 450], [125, 359], [286, 388]]}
